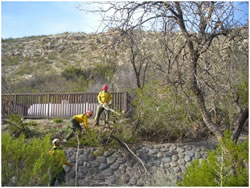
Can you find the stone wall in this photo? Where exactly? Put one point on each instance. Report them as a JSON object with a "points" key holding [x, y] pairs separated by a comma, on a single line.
{"points": [[120, 168]]}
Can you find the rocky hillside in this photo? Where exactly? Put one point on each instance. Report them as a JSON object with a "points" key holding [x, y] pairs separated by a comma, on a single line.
{"points": [[32, 60], [73, 62]]}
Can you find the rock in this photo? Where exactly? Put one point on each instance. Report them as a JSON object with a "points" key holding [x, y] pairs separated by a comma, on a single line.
{"points": [[101, 159], [145, 157], [103, 166], [86, 165], [86, 151], [188, 148], [132, 181], [159, 155], [181, 155], [140, 182], [174, 164], [125, 179], [168, 154], [177, 169], [111, 159], [120, 161], [114, 166], [190, 153], [83, 157], [152, 151], [122, 169], [91, 157], [108, 153], [182, 161], [107, 172], [81, 151], [166, 159], [130, 163], [198, 149], [183, 169], [163, 149], [72, 174], [80, 163], [173, 147], [187, 158], [144, 150], [130, 171], [180, 150], [166, 165], [110, 180], [175, 157], [94, 164], [198, 155]]}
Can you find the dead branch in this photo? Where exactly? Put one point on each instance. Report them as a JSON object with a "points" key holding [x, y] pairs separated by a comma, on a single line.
{"points": [[123, 144], [77, 153]]}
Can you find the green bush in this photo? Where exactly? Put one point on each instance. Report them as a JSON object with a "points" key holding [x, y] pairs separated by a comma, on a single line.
{"points": [[57, 120], [73, 73], [163, 113], [26, 163], [32, 123], [16, 127], [217, 169], [91, 139]]}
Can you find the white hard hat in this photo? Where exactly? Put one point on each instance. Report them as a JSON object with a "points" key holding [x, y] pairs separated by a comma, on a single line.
{"points": [[55, 141]]}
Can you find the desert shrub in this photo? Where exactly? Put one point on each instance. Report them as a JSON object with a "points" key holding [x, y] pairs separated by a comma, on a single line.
{"points": [[58, 120], [162, 179], [8, 61], [124, 132], [32, 123], [225, 166], [72, 73], [26, 163], [106, 70], [91, 139], [16, 127], [162, 112]]}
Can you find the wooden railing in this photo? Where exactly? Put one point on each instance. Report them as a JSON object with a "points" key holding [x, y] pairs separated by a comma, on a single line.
{"points": [[50, 105]]}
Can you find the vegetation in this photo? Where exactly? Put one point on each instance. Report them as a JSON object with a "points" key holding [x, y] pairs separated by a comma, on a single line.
{"points": [[225, 166], [57, 120], [17, 127], [187, 77], [27, 163]]}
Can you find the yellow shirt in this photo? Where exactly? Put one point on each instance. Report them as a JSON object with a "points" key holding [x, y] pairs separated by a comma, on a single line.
{"points": [[104, 97], [82, 118]]}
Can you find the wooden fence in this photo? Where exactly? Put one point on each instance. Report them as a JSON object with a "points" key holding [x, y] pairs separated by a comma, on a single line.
{"points": [[53, 105]]}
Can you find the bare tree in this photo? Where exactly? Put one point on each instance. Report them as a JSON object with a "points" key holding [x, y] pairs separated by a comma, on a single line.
{"points": [[139, 55], [200, 24]]}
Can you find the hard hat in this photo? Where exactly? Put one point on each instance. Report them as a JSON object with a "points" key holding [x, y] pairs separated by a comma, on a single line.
{"points": [[105, 87], [90, 112], [55, 141]]}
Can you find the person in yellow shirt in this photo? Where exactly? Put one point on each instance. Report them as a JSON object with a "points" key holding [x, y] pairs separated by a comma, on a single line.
{"points": [[76, 120], [57, 172], [104, 99]]}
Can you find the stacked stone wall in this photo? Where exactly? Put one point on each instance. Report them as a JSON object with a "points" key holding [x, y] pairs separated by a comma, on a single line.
{"points": [[120, 168]]}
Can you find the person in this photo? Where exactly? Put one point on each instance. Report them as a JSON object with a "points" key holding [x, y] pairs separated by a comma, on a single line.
{"points": [[76, 120], [57, 172], [104, 99]]}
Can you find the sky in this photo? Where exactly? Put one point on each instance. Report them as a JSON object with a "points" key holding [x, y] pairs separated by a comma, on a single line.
{"points": [[32, 18]]}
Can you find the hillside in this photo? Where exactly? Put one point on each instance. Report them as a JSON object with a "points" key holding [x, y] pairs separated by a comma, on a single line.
{"points": [[30, 63], [80, 62]]}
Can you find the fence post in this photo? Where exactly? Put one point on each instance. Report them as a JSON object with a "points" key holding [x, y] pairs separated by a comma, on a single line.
{"points": [[48, 106], [15, 105], [125, 101]]}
